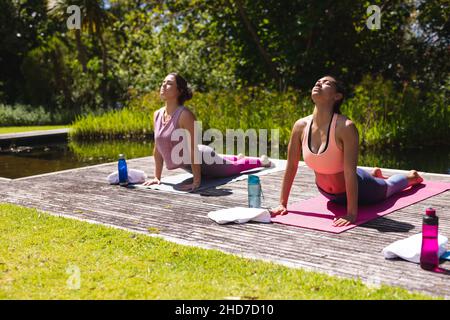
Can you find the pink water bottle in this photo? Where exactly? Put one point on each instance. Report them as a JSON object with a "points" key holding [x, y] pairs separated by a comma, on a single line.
{"points": [[429, 255]]}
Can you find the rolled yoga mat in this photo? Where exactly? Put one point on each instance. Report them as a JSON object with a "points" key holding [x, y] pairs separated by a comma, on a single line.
{"points": [[318, 213]]}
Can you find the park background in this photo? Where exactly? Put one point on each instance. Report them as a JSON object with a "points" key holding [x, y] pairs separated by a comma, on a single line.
{"points": [[251, 65]]}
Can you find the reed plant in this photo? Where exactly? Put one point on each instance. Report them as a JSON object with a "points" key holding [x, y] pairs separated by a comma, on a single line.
{"points": [[384, 114], [116, 124]]}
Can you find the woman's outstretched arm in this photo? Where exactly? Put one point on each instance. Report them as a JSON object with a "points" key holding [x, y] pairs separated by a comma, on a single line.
{"points": [[187, 122], [293, 157], [350, 142], [159, 162]]}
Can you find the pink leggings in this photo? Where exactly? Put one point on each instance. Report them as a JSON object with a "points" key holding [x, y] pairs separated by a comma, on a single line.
{"points": [[223, 166]]}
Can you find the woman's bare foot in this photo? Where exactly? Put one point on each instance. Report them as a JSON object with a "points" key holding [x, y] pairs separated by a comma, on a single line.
{"points": [[413, 178], [376, 172], [265, 161]]}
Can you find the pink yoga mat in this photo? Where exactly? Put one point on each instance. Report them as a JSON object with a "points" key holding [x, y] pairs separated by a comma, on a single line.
{"points": [[318, 213]]}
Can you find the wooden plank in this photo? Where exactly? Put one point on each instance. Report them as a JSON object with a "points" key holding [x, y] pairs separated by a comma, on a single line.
{"points": [[33, 137]]}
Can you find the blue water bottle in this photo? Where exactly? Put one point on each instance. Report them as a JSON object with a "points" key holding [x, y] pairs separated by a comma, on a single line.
{"points": [[123, 171], [254, 192]]}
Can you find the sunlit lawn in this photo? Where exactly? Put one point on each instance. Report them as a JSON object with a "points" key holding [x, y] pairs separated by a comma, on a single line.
{"points": [[48, 257]]}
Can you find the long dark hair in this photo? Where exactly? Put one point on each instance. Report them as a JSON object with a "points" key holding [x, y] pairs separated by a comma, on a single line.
{"points": [[183, 88], [340, 88]]}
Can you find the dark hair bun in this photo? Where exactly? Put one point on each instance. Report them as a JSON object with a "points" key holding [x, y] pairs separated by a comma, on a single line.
{"points": [[185, 95]]}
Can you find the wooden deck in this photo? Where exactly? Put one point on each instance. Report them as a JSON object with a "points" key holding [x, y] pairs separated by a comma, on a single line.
{"points": [[33, 137], [85, 194]]}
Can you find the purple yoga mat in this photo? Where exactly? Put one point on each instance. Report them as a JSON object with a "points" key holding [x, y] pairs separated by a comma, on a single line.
{"points": [[318, 213]]}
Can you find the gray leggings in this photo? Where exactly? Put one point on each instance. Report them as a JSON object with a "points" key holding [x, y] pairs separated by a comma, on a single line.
{"points": [[214, 165], [370, 189]]}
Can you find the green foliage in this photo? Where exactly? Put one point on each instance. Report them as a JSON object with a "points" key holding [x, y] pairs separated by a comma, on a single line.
{"points": [[250, 108], [22, 26], [383, 115], [433, 17], [26, 115], [38, 250], [123, 52], [46, 76], [123, 124], [156, 39]]}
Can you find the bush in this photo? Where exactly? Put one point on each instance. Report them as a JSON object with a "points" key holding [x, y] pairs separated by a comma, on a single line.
{"points": [[125, 124], [244, 109], [25, 115], [384, 115]]}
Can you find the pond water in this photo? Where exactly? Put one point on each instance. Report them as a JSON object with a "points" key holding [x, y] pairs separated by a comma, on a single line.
{"points": [[23, 161]]}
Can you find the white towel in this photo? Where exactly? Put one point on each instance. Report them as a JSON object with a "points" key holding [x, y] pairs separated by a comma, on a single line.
{"points": [[240, 215], [134, 176], [409, 248]]}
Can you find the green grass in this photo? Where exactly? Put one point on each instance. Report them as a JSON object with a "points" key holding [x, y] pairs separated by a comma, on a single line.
{"points": [[40, 255], [30, 128], [122, 123]]}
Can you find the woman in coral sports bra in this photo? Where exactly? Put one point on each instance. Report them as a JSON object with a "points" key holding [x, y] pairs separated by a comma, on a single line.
{"points": [[329, 143]]}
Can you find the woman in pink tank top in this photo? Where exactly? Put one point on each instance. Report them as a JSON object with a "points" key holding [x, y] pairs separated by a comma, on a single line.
{"points": [[168, 138], [329, 144]]}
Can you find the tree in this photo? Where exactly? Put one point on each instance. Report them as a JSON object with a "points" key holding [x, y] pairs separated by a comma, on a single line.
{"points": [[128, 46], [46, 76], [23, 25], [94, 19]]}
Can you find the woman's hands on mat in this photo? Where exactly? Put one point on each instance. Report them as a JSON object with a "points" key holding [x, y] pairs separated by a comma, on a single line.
{"points": [[345, 220], [191, 187], [153, 181], [280, 210], [337, 222]]}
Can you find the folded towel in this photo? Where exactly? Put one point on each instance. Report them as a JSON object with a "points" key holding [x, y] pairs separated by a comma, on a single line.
{"points": [[240, 215], [134, 176], [409, 248]]}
